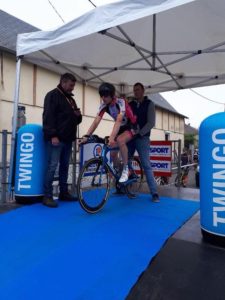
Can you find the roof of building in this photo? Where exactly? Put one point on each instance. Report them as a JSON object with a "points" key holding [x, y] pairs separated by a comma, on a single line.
{"points": [[190, 130], [162, 103], [10, 26]]}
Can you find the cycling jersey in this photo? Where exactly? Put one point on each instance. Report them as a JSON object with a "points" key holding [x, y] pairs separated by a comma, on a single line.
{"points": [[116, 107]]}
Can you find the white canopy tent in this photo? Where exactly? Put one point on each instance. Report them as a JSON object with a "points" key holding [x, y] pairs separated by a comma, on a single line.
{"points": [[165, 44]]}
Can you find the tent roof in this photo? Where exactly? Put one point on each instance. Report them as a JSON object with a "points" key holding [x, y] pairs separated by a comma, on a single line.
{"points": [[165, 44], [8, 35]]}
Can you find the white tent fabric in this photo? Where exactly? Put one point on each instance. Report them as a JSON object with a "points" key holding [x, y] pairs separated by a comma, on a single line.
{"points": [[98, 19], [165, 44]]}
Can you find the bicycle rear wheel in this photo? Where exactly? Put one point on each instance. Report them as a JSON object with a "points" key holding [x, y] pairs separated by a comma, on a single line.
{"points": [[93, 185], [161, 180], [137, 172], [178, 181]]}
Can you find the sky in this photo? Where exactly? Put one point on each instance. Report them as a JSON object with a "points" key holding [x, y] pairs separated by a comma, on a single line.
{"points": [[196, 104]]}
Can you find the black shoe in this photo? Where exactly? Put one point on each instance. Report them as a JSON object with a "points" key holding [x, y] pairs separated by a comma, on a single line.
{"points": [[66, 197], [50, 202], [155, 198], [119, 192], [119, 189]]}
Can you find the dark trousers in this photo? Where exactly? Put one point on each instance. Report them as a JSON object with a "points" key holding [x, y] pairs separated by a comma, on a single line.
{"points": [[59, 154]]}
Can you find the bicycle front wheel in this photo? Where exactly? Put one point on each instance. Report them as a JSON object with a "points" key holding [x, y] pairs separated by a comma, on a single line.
{"points": [[93, 185]]}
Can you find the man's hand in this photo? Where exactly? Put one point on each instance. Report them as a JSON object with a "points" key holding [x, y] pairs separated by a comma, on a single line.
{"points": [[55, 141], [135, 132]]}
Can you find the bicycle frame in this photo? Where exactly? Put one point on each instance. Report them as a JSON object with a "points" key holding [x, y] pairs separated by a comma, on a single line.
{"points": [[111, 169], [105, 159]]}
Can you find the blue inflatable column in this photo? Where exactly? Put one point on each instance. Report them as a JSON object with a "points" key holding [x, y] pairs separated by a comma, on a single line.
{"points": [[30, 162], [212, 178]]}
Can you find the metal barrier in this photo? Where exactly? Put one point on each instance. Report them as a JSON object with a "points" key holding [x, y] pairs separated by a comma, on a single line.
{"points": [[74, 166], [4, 166], [175, 164], [177, 167]]}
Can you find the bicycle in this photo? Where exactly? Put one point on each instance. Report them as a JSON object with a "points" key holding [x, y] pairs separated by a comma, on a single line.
{"points": [[161, 180], [94, 181], [183, 179]]}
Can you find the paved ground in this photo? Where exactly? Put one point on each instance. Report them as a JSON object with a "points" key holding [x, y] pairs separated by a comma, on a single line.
{"points": [[186, 268], [4, 207]]}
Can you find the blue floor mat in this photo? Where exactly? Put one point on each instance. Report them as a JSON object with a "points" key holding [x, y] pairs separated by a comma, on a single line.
{"points": [[66, 254]]}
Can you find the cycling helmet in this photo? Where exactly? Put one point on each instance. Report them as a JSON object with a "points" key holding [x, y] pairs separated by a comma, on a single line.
{"points": [[106, 89]]}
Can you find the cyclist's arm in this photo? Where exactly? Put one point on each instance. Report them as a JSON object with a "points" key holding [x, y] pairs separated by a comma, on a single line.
{"points": [[94, 125], [116, 126]]}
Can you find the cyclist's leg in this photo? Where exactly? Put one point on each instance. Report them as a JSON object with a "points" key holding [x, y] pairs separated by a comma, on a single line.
{"points": [[122, 141], [114, 155], [116, 159], [131, 151]]}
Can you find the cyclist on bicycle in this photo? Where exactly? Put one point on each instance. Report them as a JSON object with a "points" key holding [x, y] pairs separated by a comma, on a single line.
{"points": [[124, 127], [185, 170]]}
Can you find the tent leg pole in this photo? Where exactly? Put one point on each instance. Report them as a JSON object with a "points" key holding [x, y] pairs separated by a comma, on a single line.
{"points": [[154, 42], [14, 126]]}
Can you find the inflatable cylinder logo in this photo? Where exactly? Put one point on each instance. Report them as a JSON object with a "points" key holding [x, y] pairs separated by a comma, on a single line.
{"points": [[26, 156], [212, 175], [30, 161]]}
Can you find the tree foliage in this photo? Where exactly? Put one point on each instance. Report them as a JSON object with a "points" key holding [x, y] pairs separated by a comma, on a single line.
{"points": [[189, 139]]}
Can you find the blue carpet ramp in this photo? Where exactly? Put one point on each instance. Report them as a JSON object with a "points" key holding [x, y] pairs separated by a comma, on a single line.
{"points": [[66, 254]]}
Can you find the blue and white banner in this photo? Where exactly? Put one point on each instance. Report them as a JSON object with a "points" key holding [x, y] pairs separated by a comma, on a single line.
{"points": [[90, 150], [161, 166], [160, 150]]}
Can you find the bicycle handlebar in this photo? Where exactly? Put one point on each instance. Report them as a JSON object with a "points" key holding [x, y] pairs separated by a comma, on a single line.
{"points": [[96, 139]]}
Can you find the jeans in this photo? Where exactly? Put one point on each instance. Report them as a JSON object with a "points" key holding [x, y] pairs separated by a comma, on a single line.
{"points": [[59, 154], [141, 144]]}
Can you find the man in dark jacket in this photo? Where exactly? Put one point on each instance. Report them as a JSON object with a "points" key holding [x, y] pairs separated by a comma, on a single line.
{"points": [[60, 119], [144, 109]]}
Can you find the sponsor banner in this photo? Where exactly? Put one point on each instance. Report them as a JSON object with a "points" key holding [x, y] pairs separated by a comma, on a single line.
{"points": [[161, 166], [30, 155], [90, 150], [159, 149], [136, 166], [160, 155]]}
